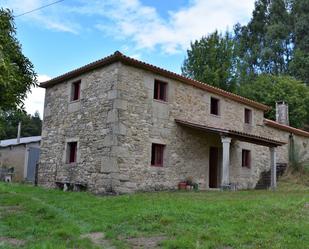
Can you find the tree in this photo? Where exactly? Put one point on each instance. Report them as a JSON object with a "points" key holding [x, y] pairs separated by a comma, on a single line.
{"points": [[265, 43], [268, 89], [16, 71], [211, 60], [31, 124], [300, 64]]}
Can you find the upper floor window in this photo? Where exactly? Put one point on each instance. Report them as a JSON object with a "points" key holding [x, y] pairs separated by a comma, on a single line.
{"points": [[248, 116], [157, 151], [71, 152], [246, 158], [75, 93], [214, 106], [160, 90]]}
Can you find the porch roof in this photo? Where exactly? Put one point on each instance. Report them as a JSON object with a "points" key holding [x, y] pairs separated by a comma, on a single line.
{"points": [[241, 136]]}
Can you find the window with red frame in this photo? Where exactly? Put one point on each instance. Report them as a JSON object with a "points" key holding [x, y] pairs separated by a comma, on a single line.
{"points": [[246, 158], [157, 152], [214, 106], [75, 90], [72, 152], [160, 90], [248, 116]]}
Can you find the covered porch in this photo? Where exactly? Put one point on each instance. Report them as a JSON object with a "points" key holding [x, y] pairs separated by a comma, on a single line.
{"points": [[222, 177]]}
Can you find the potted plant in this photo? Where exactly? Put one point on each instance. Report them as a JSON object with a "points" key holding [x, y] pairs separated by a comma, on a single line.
{"points": [[189, 181]]}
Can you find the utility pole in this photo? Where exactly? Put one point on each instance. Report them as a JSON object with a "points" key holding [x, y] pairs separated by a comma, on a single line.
{"points": [[18, 132]]}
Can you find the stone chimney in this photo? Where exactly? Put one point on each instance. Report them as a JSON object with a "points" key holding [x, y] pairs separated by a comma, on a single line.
{"points": [[282, 112]]}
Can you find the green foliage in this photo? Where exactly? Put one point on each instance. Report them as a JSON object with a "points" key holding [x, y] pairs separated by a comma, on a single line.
{"points": [[268, 89], [264, 44], [211, 60], [300, 63], [55, 219], [31, 125], [299, 66], [16, 71]]}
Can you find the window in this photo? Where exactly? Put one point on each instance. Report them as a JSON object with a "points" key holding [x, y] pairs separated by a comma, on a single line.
{"points": [[75, 90], [214, 106], [246, 158], [157, 155], [248, 116], [160, 89], [71, 152]]}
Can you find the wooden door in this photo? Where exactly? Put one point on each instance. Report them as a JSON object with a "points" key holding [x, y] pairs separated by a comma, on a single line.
{"points": [[213, 167]]}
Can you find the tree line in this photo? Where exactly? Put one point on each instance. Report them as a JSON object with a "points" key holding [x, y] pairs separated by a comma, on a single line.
{"points": [[266, 60]]}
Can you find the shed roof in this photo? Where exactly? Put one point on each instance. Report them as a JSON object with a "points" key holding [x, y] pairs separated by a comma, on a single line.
{"points": [[119, 57], [241, 136], [287, 128], [23, 140]]}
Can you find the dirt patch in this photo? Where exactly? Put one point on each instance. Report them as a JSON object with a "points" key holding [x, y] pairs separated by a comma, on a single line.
{"points": [[146, 242], [12, 241], [98, 238]]}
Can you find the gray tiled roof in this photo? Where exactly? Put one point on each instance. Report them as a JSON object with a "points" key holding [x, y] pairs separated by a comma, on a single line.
{"points": [[23, 140]]}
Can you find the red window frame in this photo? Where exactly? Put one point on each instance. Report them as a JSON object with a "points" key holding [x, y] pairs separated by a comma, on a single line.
{"points": [[248, 116], [214, 106], [72, 152], [246, 159], [76, 90], [160, 90], [157, 154]]}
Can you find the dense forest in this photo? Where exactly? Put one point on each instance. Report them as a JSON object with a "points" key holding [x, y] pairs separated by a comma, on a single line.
{"points": [[266, 60]]}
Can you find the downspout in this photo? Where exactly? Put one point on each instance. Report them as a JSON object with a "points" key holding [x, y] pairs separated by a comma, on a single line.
{"points": [[291, 149]]}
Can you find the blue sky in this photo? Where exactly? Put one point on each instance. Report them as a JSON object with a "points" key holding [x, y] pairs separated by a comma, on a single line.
{"points": [[72, 33]]}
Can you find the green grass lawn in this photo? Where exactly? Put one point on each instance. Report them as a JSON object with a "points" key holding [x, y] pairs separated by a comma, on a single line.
{"points": [[32, 217]]}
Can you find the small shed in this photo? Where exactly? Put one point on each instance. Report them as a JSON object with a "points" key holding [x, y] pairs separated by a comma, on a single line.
{"points": [[22, 155]]}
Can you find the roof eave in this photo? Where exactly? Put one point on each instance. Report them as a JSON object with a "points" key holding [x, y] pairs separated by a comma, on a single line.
{"points": [[117, 56], [287, 128]]}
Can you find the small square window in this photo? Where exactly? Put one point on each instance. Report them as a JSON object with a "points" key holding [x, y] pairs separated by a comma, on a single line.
{"points": [[75, 90], [248, 116], [71, 152], [160, 90], [157, 151], [214, 106], [246, 158]]}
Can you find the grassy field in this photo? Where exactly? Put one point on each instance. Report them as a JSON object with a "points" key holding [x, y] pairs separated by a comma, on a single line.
{"points": [[31, 217]]}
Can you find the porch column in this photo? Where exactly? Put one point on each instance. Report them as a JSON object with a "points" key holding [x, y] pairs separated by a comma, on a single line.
{"points": [[225, 180], [273, 169]]}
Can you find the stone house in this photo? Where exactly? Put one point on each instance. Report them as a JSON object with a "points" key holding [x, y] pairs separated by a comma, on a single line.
{"points": [[121, 125]]}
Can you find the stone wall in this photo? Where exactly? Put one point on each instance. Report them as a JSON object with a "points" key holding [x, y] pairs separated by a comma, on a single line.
{"points": [[92, 122], [152, 121]]}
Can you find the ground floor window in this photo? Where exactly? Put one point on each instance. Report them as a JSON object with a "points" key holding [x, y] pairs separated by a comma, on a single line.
{"points": [[157, 152], [71, 152], [246, 158]]}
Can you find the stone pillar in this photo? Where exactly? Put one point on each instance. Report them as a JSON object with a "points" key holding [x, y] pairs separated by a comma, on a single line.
{"points": [[273, 169], [225, 180]]}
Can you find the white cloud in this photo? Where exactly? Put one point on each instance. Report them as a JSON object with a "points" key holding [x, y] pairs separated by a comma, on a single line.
{"points": [[35, 99], [139, 25], [148, 30], [53, 17]]}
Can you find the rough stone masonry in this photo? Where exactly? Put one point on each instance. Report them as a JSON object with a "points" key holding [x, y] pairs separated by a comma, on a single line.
{"points": [[116, 121]]}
